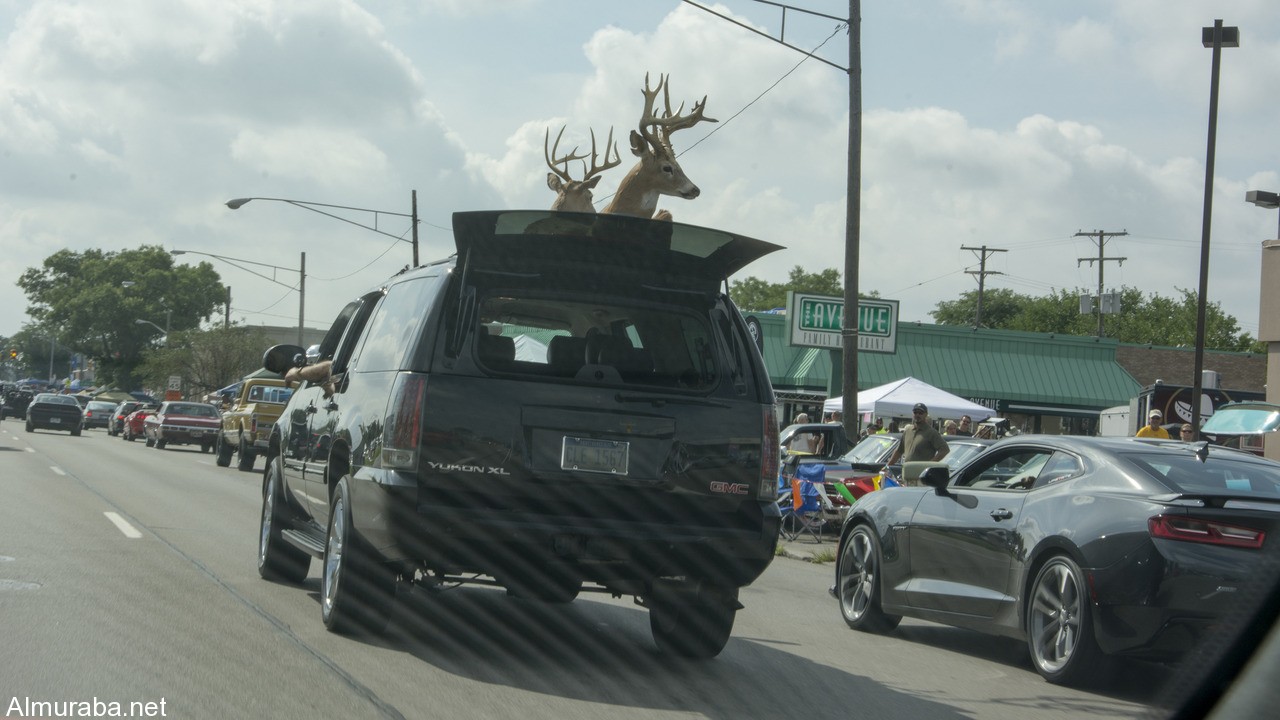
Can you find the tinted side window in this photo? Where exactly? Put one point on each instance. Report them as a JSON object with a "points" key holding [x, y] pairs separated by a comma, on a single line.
{"points": [[394, 324]]}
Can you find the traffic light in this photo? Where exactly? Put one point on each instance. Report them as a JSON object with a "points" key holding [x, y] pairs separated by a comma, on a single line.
{"points": [[13, 354]]}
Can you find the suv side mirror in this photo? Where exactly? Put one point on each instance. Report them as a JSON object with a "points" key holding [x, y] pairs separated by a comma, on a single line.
{"points": [[282, 357]]}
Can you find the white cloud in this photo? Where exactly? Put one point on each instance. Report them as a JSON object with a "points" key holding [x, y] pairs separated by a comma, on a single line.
{"points": [[990, 122]]}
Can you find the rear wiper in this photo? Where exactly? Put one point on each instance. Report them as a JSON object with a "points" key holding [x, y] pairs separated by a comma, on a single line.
{"points": [[660, 401]]}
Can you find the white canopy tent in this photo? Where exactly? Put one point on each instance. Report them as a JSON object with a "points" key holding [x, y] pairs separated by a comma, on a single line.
{"points": [[896, 399]]}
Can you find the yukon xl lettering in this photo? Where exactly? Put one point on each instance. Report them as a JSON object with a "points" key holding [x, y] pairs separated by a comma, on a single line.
{"points": [[569, 403]]}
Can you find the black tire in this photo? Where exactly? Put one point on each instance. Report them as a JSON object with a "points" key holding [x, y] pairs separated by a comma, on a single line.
{"points": [[277, 559], [223, 451], [1060, 635], [150, 441], [694, 627], [356, 591], [858, 583], [247, 456], [30, 427], [160, 443], [128, 435], [75, 432]]}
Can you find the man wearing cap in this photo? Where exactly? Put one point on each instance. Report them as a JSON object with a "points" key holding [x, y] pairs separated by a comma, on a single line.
{"points": [[1153, 429], [920, 441]]}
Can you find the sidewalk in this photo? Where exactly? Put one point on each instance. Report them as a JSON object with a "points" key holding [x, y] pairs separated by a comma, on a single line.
{"points": [[807, 549]]}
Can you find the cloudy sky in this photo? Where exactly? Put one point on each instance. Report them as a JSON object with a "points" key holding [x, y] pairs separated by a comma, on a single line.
{"points": [[1002, 123]]}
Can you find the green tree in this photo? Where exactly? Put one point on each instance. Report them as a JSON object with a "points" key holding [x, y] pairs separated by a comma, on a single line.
{"points": [[1143, 319], [89, 303], [756, 294], [206, 360]]}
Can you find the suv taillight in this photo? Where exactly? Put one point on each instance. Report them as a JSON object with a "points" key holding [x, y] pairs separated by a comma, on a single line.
{"points": [[769, 456], [403, 427], [1180, 527]]}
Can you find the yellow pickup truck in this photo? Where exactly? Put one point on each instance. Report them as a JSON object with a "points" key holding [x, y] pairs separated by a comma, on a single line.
{"points": [[246, 426]]}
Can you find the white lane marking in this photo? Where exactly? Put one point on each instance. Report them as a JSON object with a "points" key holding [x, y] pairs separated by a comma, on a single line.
{"points": [[58, 470], [30, 449], [128, 530]]}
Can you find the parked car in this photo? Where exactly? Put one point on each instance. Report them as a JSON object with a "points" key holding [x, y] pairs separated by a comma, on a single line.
{"points": [[134, 425], [49, 411], [1082, 547], [630, 445], [180, 422], [97, 413], [121, 412]]}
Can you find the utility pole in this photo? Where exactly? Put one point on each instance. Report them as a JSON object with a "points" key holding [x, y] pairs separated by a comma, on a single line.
{"points": [[982, 273], [1102, 261], [853, 191]]}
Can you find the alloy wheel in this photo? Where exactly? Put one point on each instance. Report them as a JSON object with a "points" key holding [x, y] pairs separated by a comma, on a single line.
{"points": [[1056, 607]]}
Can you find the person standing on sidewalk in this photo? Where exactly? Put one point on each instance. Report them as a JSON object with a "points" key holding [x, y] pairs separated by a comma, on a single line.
{"points": [[920, 441]]}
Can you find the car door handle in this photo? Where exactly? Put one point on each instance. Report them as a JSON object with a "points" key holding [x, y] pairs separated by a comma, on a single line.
{"points": [[1001, 514]]}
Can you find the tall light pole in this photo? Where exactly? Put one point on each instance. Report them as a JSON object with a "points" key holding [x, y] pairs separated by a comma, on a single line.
{"points": [[238, 203], [1216, 37], [301, 270]]}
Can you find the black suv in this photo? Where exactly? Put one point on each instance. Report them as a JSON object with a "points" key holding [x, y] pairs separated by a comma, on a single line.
{"points": [[569, 403]]}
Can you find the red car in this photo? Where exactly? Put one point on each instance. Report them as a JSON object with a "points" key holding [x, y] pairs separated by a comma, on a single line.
{"points": [[179, 422], [131, 427]]}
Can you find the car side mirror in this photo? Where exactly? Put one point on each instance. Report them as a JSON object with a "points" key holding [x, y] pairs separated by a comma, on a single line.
{"points": [[936, 477], [282, 357]]}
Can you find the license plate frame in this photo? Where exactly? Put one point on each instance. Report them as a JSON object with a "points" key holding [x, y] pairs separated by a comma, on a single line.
{"points": [[606, 457]]}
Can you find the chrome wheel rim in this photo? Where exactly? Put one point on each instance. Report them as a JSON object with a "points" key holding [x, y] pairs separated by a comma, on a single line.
{"points": [[333, 554], [1056, 607], [268, 512], [857, 575]]}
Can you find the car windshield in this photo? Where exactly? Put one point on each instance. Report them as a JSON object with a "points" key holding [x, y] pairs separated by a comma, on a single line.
{"points": [[1221, 473], [871, 450], [961, 452]]}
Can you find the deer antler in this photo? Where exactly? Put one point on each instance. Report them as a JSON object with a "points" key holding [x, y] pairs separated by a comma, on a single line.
{"points": [[588, 173], [657, 130]]}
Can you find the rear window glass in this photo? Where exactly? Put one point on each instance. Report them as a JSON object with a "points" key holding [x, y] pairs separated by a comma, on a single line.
{"points": [[269, 394], [1218, 474], [56, 399], [600, 340], [193, 410]]}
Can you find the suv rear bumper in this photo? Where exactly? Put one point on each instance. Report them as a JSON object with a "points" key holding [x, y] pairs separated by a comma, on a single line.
{"points": [[732, 552]]}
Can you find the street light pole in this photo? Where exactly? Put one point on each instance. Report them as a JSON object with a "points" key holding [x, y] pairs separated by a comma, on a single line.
{"points": [[1216, 37], [314, 207], [302, 278]]}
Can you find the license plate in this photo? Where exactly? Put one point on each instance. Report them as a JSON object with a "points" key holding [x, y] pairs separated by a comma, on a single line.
{"points": [[55, 420], [588, 455]]}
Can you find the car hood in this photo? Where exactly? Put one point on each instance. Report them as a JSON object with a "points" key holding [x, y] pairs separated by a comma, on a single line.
{"points": [[1245, 418], [670, 254]]}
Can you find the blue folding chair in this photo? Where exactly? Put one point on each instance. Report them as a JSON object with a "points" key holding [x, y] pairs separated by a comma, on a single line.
{"points": [[805, 515]]}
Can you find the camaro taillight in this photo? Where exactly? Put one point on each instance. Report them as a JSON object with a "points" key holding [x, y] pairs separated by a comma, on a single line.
{"points": [[769, 456], [403, 427], [1180, 527]]}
